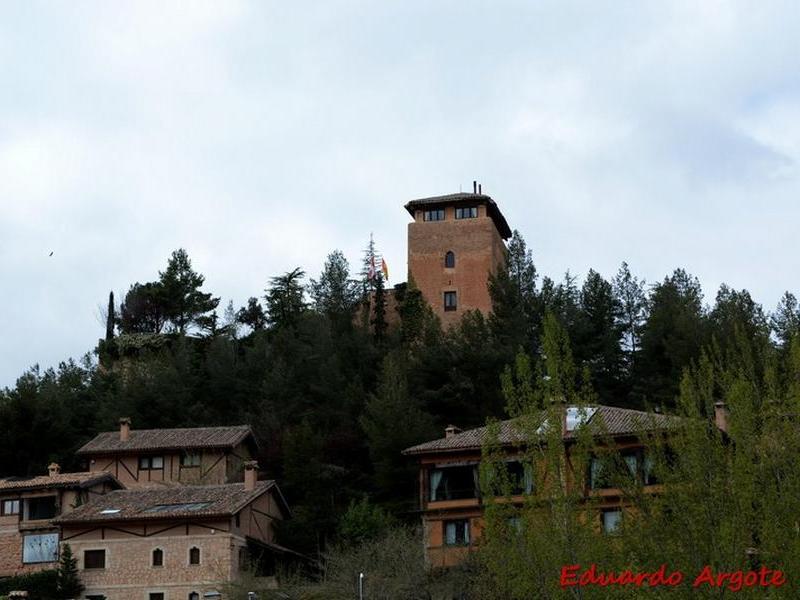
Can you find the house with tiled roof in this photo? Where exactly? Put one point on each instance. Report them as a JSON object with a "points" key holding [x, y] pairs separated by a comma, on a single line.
{"points": [[449, 493], [185, 456], [29, 539], [176, 542]]}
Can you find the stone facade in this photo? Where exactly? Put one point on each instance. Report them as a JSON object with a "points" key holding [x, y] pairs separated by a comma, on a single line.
{"points": [[477, 246], [14, 528], [223, 543]]}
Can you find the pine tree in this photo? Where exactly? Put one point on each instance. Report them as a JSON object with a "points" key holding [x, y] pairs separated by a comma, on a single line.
{"points": [[630, 294], [672, 337], [285, 298], [394, 420], [335, 294], [514, 318], [184, 303], [68, 582], [252, 315], [785, 321]]}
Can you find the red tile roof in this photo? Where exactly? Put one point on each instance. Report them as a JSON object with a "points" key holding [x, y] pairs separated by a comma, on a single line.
{"points": [[181, 502], [603, 420], [140, 440], [57, 480]]}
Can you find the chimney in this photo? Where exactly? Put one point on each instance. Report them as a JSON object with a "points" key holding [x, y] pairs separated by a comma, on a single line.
{"points": [[250, 475], [479, 189], [474, 187], [721, 416], [124, 429], [53, 469], [450, 431]]}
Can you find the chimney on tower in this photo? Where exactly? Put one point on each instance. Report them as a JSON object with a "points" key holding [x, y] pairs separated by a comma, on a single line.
{"points": [[53, 469]]}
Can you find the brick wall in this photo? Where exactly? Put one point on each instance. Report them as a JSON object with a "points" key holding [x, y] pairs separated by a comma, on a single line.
{"points": [[478, 248]]}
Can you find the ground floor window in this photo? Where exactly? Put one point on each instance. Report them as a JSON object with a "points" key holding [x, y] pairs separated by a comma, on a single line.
{"points": [[94, 559], [194, 596], [156, 596], [456, 533], [40, 548], [95, 597], [611, 520]]}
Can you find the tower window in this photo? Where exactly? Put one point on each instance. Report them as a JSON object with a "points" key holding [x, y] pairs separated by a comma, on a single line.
{"points": [[450, 259], [194, 555], [158, 557], [450, 302], [433, 215], [467, 212]]}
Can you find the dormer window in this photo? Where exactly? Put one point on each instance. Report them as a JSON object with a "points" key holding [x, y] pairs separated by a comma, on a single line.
{"points": [[466, 212], [436, 214], [449, 260]]}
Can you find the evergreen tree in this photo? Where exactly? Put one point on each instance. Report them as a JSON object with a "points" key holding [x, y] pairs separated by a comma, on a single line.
{"points": [[597, 338], [379, 323], [514, 319], [785, 321], [392, 421], [417, 320], [335, 294], [144, 309], [111, 317], [252, 315], [184, 304], [672, 337], [68, 582], [629, 292], [285, 299]]}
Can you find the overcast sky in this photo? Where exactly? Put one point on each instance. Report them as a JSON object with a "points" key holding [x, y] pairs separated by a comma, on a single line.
{"points": [[260, 136]]}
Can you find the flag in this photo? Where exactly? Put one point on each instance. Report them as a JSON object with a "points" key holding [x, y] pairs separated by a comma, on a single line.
{"points": [[385, 269]]}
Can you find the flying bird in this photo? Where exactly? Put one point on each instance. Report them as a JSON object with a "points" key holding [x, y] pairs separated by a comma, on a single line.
{"points": [[51, 253]]}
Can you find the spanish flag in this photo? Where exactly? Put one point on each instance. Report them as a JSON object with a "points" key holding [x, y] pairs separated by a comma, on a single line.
{"points": [[385, 269]]}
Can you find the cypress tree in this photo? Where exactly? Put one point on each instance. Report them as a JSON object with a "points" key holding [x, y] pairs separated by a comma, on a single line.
{"points": [[67, 581]]}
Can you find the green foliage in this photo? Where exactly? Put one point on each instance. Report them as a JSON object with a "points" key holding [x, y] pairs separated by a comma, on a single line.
{"points": [[286, 299], [394, 420], [40, 585], [362, 522], [68, 582], [335, 294], [183, 302]]}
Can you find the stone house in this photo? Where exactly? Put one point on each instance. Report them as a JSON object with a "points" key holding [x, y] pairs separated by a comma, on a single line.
{"points": [[29, 540], [449, 493], [175, 542], [188, 456]]}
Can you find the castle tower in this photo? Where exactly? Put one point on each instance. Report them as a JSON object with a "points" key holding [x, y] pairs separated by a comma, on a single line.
{"points": [[454, 243]]}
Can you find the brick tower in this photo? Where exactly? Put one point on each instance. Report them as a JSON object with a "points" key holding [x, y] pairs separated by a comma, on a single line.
{"points": [[454, 243]]}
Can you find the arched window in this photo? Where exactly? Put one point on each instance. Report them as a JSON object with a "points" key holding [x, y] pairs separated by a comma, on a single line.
{"points": [[449, 259], [194, 555], [158, 557]]}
